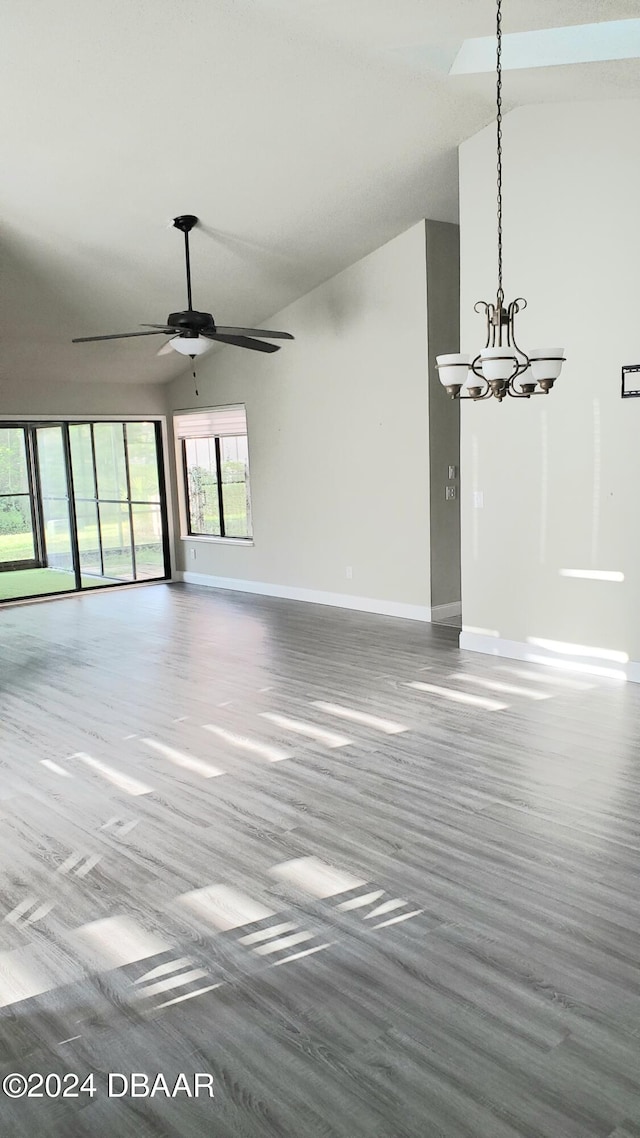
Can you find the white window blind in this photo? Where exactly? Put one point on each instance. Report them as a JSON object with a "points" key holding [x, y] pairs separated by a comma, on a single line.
{"points": [[206, 424]]}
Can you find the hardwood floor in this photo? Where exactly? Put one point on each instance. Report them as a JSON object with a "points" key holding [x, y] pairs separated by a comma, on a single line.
{"points": [[369, 885]]}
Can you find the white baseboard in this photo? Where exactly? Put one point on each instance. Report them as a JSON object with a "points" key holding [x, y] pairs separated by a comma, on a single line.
{"points": [[445, 612], [313, 596], [532, 654]]}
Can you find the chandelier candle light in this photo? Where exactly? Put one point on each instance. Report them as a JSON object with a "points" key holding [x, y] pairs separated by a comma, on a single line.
{"points": [[501, 368]]}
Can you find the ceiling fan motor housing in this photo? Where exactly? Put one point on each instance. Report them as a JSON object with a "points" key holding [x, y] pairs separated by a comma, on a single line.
{"points": [[185, 222], [191, 323]]}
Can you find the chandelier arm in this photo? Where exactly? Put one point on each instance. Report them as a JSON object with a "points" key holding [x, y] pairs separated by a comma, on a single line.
{"points": [[489, 311], [492, 326], [517, 306], [519, 369], [476, 398], [476, 367], [513, 391]]}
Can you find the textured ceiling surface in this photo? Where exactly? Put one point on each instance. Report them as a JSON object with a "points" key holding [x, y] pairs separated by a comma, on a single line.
{"points": [[304, 134]]}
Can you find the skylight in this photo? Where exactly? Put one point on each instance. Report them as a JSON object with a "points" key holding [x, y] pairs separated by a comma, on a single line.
{"points": [[551, 47]]}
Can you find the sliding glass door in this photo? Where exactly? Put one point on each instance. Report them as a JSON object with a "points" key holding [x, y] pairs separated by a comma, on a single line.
{"points": [[86, 503], [116, 490]]}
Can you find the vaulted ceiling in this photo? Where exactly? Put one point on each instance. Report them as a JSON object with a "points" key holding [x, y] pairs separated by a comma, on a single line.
{"points": [[303, 133]]}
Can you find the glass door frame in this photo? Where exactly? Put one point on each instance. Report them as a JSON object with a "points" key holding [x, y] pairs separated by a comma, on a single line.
{"points": [[30, 427], [38, 503], [131, 501], [37, 561]]}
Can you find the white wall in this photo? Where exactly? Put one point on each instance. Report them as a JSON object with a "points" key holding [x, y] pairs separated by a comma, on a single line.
{"points": [[72, 399], [558, 472], [338, 439]]}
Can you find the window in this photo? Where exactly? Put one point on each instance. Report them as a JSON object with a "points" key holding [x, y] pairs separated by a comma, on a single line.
{"points": [[214, 457]]}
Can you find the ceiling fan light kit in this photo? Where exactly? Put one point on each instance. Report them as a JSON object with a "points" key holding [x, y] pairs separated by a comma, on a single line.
{"points": [[189, 345], [501, 367], [193, 333]]}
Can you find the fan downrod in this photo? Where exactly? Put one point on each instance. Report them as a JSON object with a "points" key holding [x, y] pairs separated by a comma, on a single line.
{"points": [[185, 222]]}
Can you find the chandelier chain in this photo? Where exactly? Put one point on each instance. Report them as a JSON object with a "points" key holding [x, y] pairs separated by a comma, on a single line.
{"points": [[499, 141]]}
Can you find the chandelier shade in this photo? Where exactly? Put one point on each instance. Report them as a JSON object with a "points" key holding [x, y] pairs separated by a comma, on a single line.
{"points": [[453, 369], [495, 364], [546, 362], [501, 367]]}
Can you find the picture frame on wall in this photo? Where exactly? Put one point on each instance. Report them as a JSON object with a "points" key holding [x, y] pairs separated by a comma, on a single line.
{"points": [[631, 381]]}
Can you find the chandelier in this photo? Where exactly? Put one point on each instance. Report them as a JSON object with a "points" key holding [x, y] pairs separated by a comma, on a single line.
{"points": [[501, 367]]}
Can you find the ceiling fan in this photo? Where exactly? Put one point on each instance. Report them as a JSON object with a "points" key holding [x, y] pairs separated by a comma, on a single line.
{"points": [[192, 332]]}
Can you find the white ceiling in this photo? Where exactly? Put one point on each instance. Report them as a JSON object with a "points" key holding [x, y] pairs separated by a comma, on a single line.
{"points": [[304, 133]]}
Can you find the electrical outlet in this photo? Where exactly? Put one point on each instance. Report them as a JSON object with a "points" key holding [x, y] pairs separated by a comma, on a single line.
{"points": [[453, 472], [349, 572], [193, 553], [478, 499], [450, 493]]}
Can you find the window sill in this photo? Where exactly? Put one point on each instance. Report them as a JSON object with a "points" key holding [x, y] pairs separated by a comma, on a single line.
{"points": [[217, 540]]}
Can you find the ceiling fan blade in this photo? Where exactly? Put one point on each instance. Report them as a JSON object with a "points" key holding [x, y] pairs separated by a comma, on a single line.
{"points": [[162, 327], [118, 336], [166, 349], [251, 332], [242, 342]]}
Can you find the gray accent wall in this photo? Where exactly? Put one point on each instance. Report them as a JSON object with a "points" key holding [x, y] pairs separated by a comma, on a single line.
{"points": [[443, 325]]}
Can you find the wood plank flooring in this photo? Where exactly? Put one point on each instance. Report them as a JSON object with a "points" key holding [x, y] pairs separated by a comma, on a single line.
{"points": [[373, 887]]}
